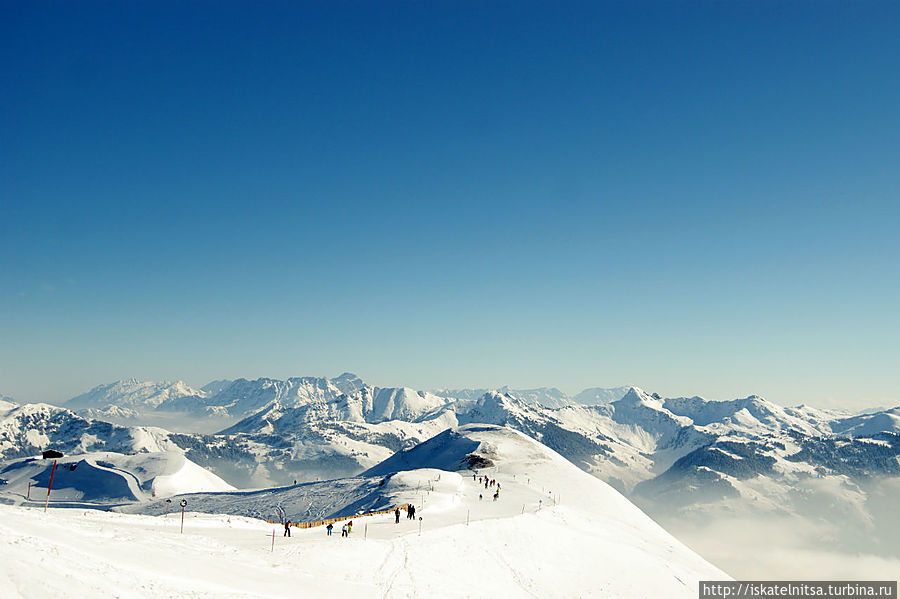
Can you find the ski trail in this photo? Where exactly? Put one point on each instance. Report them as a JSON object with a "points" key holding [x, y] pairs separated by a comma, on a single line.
{"points": [[398, 547], [525, 585]]}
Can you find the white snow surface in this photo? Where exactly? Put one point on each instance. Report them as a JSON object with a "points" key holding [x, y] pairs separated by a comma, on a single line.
{"points": [[555, 531], [104, 478]]}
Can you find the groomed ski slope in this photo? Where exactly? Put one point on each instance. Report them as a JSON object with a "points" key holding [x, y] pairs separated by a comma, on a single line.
{"points": [[594, 543]]}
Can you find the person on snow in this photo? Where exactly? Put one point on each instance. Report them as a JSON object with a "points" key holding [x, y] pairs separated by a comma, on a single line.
{"points": [[397, 516], [349, 527], [287, 529], [344, 532], [329, 527]]}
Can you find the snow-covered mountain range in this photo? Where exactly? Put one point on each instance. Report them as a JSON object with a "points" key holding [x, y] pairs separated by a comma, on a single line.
{"points": [[681, 459], [683, 452], [240, 398]]}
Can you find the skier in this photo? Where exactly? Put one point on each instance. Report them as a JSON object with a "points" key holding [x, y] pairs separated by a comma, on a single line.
{"points": [[329, 527], [344, 532], [412, 512], [287, 529], [397, 516], [349, 527]]}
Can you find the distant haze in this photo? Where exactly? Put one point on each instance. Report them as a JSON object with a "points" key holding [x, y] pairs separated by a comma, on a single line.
{"points": [[548, 396]]}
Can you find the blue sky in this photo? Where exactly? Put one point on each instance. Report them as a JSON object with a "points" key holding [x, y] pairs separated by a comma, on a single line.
{"points": [[692, 197]]}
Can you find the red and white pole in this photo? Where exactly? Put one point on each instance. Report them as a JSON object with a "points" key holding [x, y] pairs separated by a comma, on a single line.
{"points": [[366, 531], [182, 519], [29, 491], [273, 539], [50, 486]]}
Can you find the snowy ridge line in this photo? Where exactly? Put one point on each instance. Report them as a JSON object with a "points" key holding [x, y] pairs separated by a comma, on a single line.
{"points": [[404, 507]]}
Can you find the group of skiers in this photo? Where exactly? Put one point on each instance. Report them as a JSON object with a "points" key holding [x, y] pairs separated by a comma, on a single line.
{"points": [[347, 528], [488, 482]]}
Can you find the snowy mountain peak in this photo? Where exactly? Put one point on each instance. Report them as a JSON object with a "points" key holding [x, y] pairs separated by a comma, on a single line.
{"points": [[636, 395], [133, 393], [28, 429], [213, 387], [598, 396], [500, 408], [348, 383], [473, 447], [549, 397]]}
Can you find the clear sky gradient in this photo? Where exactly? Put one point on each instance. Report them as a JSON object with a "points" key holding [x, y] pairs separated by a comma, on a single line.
{"points": [[692, 197]]}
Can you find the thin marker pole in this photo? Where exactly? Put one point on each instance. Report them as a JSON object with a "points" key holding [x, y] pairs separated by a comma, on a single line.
{"points": [[273, 539], [49, 486]]}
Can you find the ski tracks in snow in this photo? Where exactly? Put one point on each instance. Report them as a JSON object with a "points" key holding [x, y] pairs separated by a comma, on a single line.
{"points": [[526, 584], [395, 564]]}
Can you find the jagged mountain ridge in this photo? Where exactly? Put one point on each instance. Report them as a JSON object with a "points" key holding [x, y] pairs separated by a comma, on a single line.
{"points": [[132, 393], [643, 444], [28, 429]]}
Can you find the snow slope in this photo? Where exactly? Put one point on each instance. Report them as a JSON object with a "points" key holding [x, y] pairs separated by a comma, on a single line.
{"points": [[593, 543], [104, 478]]}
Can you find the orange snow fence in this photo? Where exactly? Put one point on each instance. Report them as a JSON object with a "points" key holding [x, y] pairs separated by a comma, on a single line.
{"points": [[404, 507]]}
